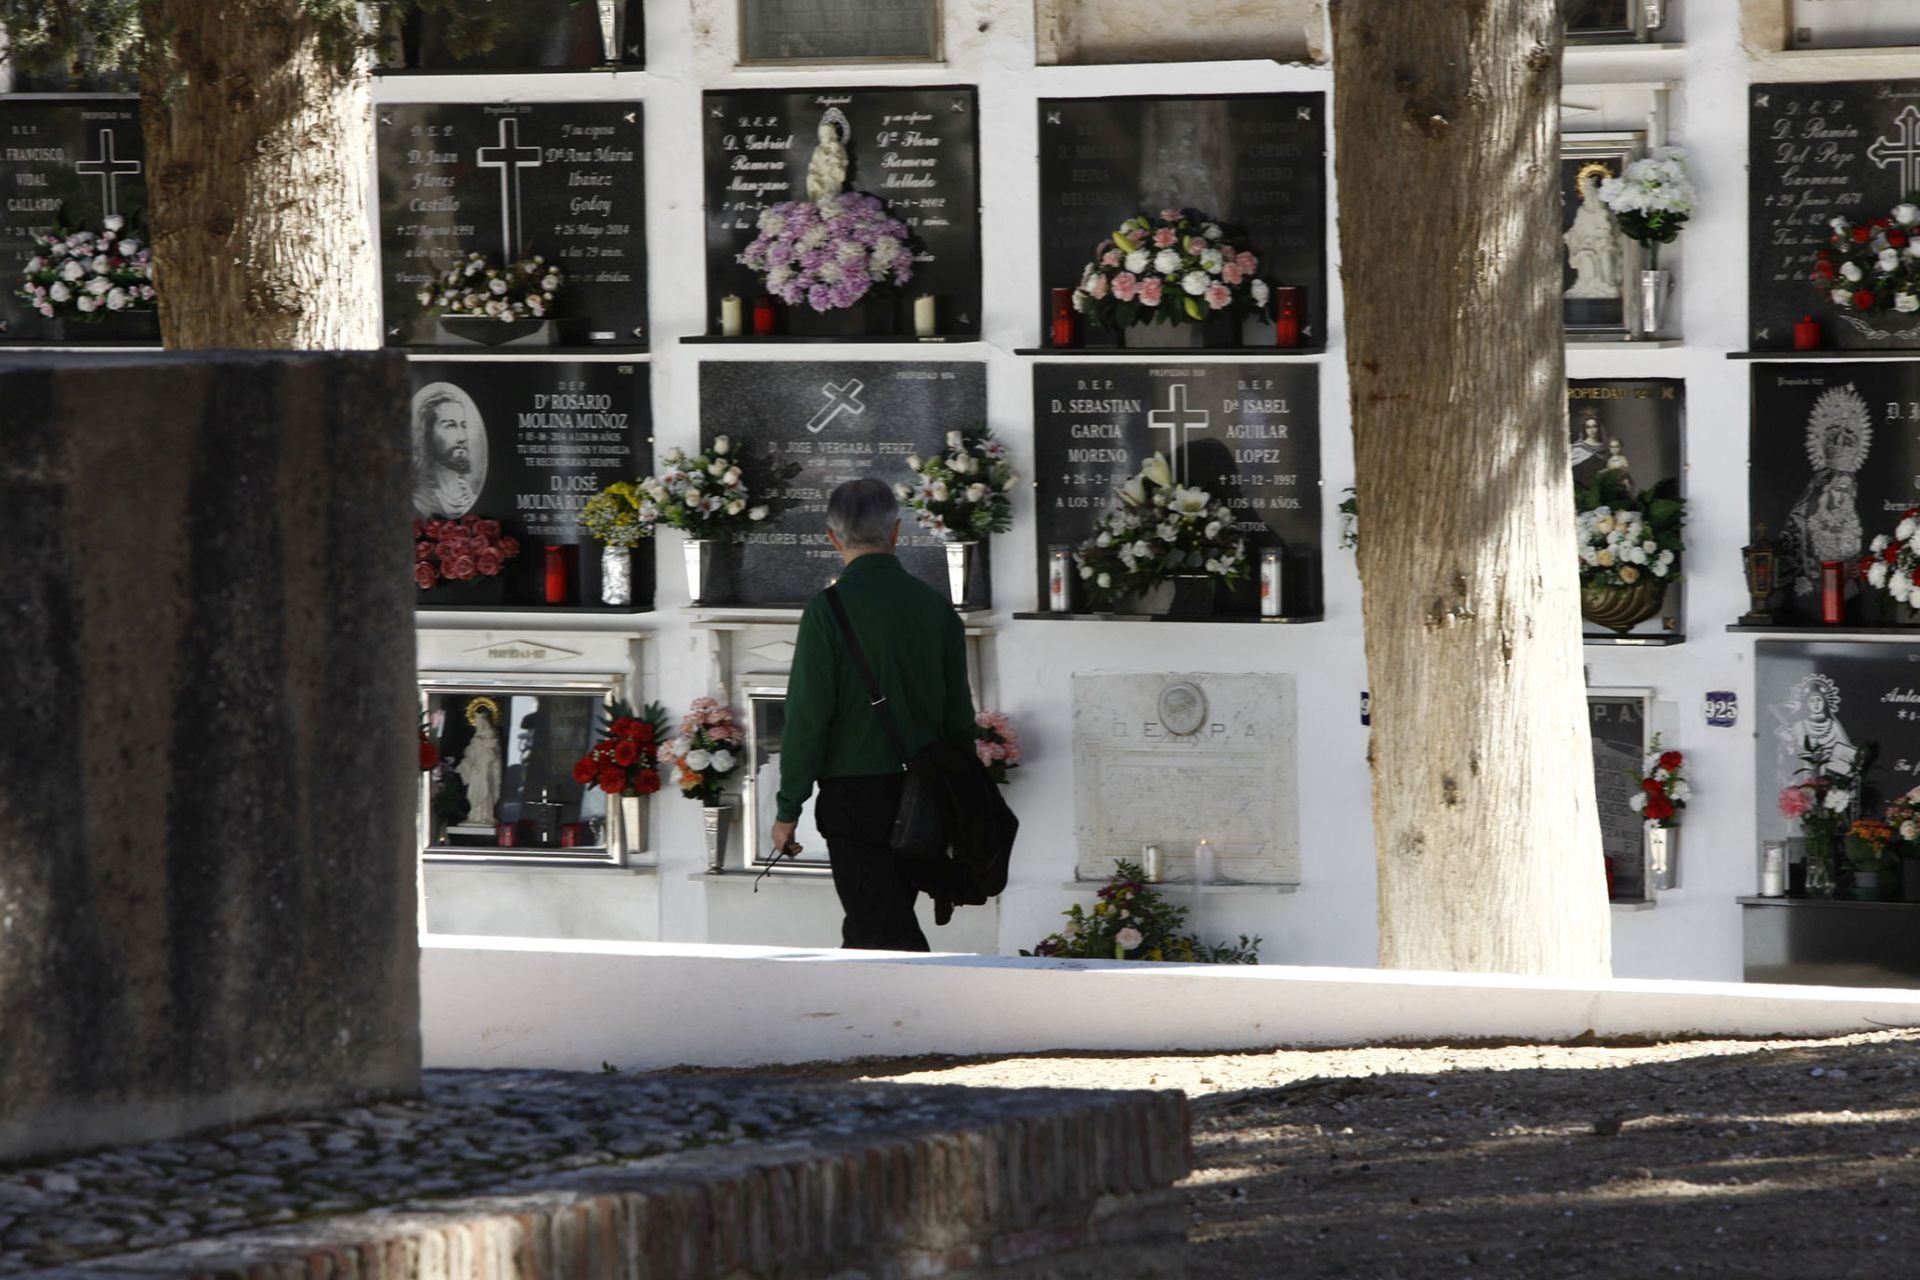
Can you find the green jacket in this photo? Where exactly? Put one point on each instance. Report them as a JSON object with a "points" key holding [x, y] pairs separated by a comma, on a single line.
{"points": [[918, 650]]}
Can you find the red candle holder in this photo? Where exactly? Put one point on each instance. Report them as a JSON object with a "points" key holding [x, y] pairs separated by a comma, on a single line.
{"points": [[1065, 331], [1806, 335], [764, 316], [1289, 312], [556, 575], [1833, 580]]}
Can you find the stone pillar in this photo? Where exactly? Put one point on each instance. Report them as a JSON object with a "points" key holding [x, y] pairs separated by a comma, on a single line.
{"points": [[207, 750]]}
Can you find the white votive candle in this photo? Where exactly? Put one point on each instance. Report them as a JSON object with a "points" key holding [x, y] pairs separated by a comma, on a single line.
{"points": [[1203, 863], [923, 316], [730, 316]]}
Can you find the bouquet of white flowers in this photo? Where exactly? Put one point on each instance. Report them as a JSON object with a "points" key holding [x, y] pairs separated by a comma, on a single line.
{"points": [[525, 290], [1652, 199], [1160, 530], [962, 493], [87, 274], [703, 494]]}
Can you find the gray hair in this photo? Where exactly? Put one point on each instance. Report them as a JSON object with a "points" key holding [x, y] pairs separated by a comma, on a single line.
{"points": [[862, 513]]}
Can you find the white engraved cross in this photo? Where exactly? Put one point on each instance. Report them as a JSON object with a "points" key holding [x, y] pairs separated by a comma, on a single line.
{"points": [[1902, 150], [1176, 420], [509, 158], [109, 167]]}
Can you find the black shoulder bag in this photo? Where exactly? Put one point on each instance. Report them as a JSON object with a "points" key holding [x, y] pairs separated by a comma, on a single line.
{"points": [[950, 805]]}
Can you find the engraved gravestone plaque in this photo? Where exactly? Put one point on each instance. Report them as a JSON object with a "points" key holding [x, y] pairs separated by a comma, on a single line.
{"points": [[1231, 780]]}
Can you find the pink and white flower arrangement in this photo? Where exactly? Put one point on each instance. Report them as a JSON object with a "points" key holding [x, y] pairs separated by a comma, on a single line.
{"points": [[962, 494], [829, 253], [1174, 269], [705, 495], [88, 274], [707, 750], [997, 745], [524, 290]]}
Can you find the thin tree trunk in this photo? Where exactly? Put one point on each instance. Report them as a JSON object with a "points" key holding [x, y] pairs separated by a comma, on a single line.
{"points": [[258, 150], [1446, 121]]}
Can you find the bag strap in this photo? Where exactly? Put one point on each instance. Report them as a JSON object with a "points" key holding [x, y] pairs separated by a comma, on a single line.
{"points": [[875, 698]]}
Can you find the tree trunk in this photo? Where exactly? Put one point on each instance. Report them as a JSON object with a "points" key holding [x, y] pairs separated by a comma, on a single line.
{"points": [[259, 142], [1446, 121]]}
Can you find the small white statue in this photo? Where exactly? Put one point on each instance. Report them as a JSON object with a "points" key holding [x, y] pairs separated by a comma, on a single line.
{"points": [[479, 766], [827, 170], [1593, 246]]}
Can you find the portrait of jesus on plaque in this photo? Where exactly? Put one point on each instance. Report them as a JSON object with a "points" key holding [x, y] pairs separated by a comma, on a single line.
{"points": [[449, 451]]}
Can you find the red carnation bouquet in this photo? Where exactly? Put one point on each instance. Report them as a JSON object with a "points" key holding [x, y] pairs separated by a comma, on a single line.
{"points": [[1663, 787], [626, 760], [459, 550]]}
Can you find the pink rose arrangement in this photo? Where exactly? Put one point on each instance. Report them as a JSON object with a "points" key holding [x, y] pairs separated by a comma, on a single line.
{"points": [[706, 750], [1174, 269], [86, 274], [997, 745], [459, 550], [828, 253]]}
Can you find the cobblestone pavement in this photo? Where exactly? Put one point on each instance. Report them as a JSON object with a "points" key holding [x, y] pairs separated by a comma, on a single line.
{"points": [[470, 1132]]}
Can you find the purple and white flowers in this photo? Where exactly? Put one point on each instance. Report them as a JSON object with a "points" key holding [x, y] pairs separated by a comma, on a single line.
{"points": [[828, 253], [87, 274]]}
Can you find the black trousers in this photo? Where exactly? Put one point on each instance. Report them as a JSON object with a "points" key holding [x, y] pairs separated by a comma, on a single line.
{"points": [[877, 887]]}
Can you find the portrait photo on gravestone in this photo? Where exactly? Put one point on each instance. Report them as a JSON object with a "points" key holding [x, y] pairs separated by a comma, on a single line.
{"points": [[524, 444], [75, 192], [518, 225], [1253, 164], [822, 423]]}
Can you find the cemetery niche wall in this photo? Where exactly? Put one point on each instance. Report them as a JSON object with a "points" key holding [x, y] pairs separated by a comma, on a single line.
{"points": [[1600, 263], [1625, 443], [472, 193], [75, 189], [1832, 167], [901, 162], [1245, 434], [520, 446], [520, 35], [1835, 460], [1851, 24], [1254, 165], [812, 425], [816, 32]]}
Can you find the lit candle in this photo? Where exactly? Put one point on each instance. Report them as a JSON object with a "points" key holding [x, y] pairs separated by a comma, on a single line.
{"points": [[730, 316], [923, 325], [763, 316], [556, 575], [1806, 335], [1203, 863]]}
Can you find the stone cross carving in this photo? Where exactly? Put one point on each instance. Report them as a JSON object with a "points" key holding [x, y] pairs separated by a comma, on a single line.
{"points": [[842, 397], [510, 157], [108, 168], [1177, 419], [1903, 149]]}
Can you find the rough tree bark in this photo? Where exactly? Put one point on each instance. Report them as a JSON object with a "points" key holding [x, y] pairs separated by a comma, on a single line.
{"points": [[259, 144], [1446, 118]]}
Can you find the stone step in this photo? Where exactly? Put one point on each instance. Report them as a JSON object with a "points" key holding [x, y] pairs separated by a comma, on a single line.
{"points": [[660, 1177]]}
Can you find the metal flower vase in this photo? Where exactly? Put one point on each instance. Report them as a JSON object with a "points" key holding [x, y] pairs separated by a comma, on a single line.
{"points": [[701, 554], [717, 820], [1656, 284], [627, 827], [1621, 609], [960, 556], [616, 575], [1663, 857]]}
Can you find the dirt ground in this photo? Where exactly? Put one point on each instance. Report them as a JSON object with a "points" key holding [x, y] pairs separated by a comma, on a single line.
{"points": [[1713, 1158]]}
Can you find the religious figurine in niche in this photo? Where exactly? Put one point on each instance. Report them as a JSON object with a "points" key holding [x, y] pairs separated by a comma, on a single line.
{"points": [[1810, 722], [1593, 246], [1825, 523], [827, 168], [480, 762], [449, 451]]}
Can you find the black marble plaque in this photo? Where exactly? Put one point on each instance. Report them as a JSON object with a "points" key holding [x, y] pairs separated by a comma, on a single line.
{"points": [[540, 437], [839, 30], [915, 148], [561, 179], [1249, 434], [523, 35], [1252, 161], [66, 162], [1645, 416], [1817, 151], [1848, 697], [1618, 722], [824, 423], [1834, 459]]}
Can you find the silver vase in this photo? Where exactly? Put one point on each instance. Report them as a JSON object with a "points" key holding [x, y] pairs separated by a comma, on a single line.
{"points": [[1654, 287], [616, 575], [959, 569], [1663, 857], [699, 553], [627, 827], [718, 821]]}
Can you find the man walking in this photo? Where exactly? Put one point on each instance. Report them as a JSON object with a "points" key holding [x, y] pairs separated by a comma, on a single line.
{"points": [[916, 646]]}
